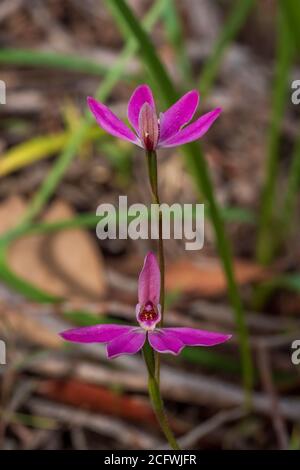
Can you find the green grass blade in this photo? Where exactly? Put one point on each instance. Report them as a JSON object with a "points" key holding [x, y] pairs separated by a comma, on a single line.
{"points": [[293, 184], [291, 12], [199, 169], [37, 148], [233, 25], [19, 285], [265, 241], [174, 32], [51, 60]]}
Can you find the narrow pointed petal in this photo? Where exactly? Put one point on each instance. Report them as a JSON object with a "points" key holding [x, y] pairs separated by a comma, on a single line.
{"points": [[141, 95], [128, 343], [149, 281], [195, 337], [96, 333], [178, 115], [165, 342], [110, 122], [193, 131]]}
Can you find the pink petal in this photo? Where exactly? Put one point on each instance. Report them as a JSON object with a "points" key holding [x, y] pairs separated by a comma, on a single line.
{"points": [[95, 333], [193, 131], [141, 95], [128, 343], [178, 115], [149, 281], [164, 342], [195, 337], [110, 122]]}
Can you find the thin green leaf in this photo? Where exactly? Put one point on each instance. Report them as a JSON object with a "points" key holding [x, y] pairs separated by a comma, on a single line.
{"points": [[37, 148], [265, 241], [238, 214], [83, 318], [174, 32], [212, 360], [234, 23], [291, 12], [292, 190], [23, 287], [53, 60]]}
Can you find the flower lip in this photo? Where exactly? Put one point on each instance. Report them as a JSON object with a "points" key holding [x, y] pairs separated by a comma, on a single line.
{"points": [[148, 315]]}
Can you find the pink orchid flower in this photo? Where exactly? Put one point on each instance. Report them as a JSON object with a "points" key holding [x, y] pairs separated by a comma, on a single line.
{"points": [[130, 339], [149, 131]]}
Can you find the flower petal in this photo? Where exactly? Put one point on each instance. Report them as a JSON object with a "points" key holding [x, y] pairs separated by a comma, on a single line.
{"points": [[95, 333], [110, 122], [193, 131], [149, 281], [164, 342], [178, 115], [128, 343], [141, 95], [195, 337]]}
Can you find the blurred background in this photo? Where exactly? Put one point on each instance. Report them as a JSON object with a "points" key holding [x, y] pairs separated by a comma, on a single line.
{"points": [[57, 166]]}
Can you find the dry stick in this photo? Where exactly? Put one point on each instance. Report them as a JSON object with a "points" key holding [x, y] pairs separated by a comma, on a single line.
{"points": [[207, 427], [265, 369], [120, 431], [176, 385]]}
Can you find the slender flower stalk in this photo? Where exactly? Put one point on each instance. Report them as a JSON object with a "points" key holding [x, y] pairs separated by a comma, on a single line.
{"points": [[155, 396], [153, 179]]}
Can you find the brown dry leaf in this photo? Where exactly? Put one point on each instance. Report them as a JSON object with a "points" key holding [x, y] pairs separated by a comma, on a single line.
{"points": [[98, 399], [13, 322], [11, 211], [103, 400], [66, 264], [207, 277]]}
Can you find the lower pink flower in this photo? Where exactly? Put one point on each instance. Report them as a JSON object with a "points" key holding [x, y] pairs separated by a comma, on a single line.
{"points": [[130, 339]]}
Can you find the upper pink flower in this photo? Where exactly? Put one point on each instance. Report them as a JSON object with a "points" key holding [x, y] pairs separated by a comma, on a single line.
{"points": [[123, 339], [149, 131]]}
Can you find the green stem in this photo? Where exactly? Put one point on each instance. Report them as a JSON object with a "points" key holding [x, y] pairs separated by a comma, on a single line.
{"points": [[292, 189], [155, 396], [234, 23], [266, 240], [152, 170]]}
